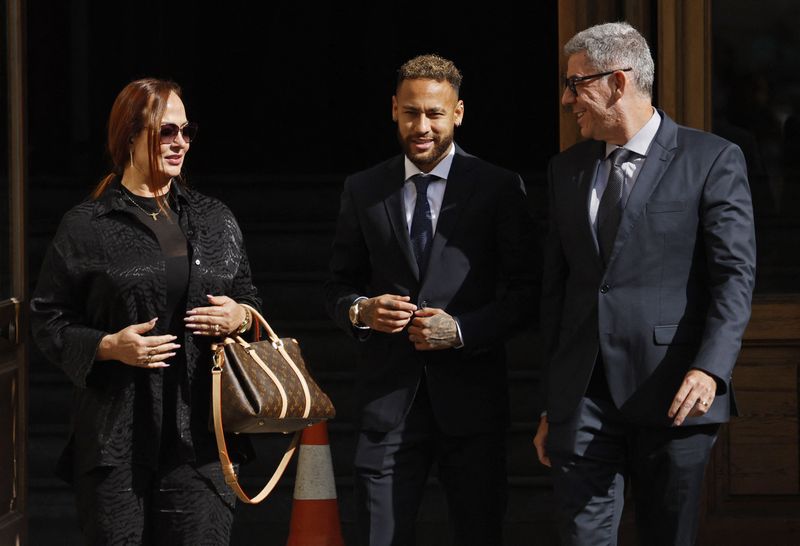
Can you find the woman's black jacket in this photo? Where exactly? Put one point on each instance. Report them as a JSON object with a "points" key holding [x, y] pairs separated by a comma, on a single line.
{"points": [[105, 271]]}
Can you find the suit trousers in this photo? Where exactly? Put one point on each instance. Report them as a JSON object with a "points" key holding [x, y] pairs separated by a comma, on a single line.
{"points": [[178, 505], [596, 452], [391, 470]]}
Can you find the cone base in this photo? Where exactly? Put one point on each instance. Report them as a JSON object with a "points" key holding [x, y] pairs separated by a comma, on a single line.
{"points": [[315, 523]]}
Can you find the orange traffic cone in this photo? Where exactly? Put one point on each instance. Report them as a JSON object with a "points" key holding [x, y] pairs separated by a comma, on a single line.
{"points": [[315, 511]]}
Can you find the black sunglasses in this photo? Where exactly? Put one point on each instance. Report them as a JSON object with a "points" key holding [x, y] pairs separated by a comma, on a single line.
{"points": [[169, 132], [572, 83]]}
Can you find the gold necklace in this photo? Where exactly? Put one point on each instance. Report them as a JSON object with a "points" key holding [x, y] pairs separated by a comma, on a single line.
{"points": [[153, 215]]}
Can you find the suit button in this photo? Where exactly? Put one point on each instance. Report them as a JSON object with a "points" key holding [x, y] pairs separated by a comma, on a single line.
{"points": [[605, 288], [423, 304]]}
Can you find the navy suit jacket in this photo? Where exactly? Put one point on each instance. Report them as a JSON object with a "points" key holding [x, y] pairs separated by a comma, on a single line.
{"points": [[676, 292], [481, 270]]}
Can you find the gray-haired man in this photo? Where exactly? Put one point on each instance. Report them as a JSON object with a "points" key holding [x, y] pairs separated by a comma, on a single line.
{"points": [[649, 272]]}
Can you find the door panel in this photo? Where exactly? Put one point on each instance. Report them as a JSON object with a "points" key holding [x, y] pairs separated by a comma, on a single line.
{"points": [[5, 251], [8, 396], [754, 477], [13, 281]]}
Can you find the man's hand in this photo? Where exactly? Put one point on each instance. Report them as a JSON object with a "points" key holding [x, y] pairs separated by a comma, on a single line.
{"points": [[694, 397], [387, 313], [540, 441], [433, 329]]}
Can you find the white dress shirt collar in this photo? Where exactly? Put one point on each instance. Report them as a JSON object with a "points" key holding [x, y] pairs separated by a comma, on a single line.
{"points": [[442, 169], [640, 142]]}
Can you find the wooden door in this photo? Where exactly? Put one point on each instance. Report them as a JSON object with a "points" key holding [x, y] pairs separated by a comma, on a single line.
{"points": [[753, 481], [13, 289]]}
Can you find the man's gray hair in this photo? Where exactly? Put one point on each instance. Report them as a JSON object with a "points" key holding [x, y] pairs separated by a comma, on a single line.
{"points": [[614, 46]]}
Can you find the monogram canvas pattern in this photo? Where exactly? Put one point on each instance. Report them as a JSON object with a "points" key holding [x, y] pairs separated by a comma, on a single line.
{"points": [[251, 400]]}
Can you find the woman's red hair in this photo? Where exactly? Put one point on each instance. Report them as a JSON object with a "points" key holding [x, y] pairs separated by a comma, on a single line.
{"points": [[139, 106]]}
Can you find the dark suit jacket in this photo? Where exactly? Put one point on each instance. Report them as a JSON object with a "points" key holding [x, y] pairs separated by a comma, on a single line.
{"points": [[676, 292], [480, 271]]}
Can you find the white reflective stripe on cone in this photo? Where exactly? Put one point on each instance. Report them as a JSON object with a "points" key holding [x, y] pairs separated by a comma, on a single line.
{"points": [[316, 481]]}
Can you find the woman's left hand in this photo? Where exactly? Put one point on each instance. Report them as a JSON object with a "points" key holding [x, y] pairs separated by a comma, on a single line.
{"points": [[223, 317]]}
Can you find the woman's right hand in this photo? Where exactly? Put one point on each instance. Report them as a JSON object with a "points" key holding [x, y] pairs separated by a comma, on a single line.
{"points": [[130, 346]]}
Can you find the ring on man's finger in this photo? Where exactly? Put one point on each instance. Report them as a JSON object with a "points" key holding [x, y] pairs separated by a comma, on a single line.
{"points": [[149, 358]]}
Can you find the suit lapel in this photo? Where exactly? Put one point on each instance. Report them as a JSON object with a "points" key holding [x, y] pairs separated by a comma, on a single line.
{"points": [[396, 212], [460, 185], [585, 174], [659, 157]]}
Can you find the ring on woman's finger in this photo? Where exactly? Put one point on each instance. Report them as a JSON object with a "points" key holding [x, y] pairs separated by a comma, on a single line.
{"points": [[216, 328], [149, 358]]}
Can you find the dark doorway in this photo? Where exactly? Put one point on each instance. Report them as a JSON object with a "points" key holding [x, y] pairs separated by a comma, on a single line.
{"points": [[286, 88]]}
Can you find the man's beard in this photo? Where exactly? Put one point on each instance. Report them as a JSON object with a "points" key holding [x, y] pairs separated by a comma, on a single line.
{"points": [[427, 160]]}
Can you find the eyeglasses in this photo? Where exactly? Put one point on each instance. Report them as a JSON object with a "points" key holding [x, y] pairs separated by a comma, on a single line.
{"points": [[572, 83], [169, 132]]}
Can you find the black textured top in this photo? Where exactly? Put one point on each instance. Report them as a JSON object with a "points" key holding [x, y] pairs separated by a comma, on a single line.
{"points": [[105, 271], [167, 230], [166, 227]]}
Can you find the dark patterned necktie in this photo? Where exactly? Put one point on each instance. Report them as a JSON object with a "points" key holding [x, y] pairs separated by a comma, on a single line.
{"points": [[421, 224], [610, 210]]}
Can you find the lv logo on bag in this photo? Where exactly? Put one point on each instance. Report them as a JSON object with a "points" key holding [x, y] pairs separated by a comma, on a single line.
{"points": [[260, 387]]}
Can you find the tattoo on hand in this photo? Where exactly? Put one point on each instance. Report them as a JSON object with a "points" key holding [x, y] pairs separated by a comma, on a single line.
{"points": [[443, 331]]}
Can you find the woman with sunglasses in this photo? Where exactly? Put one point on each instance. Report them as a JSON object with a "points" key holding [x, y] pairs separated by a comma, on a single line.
{"points": [[140, 279]]}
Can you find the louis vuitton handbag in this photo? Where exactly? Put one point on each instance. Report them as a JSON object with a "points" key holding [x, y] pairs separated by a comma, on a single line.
{"points": [[259, 387]]}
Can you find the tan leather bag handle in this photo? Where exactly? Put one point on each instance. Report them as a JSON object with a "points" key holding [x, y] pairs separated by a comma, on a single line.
{"points": [[216, 404]]}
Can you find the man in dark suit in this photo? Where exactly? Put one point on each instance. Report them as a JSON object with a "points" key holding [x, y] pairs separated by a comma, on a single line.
{"points": [[431, 270], [649, 272]]}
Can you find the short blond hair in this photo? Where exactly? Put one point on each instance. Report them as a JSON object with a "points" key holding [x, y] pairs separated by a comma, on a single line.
{"points": [[430, 67]]}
